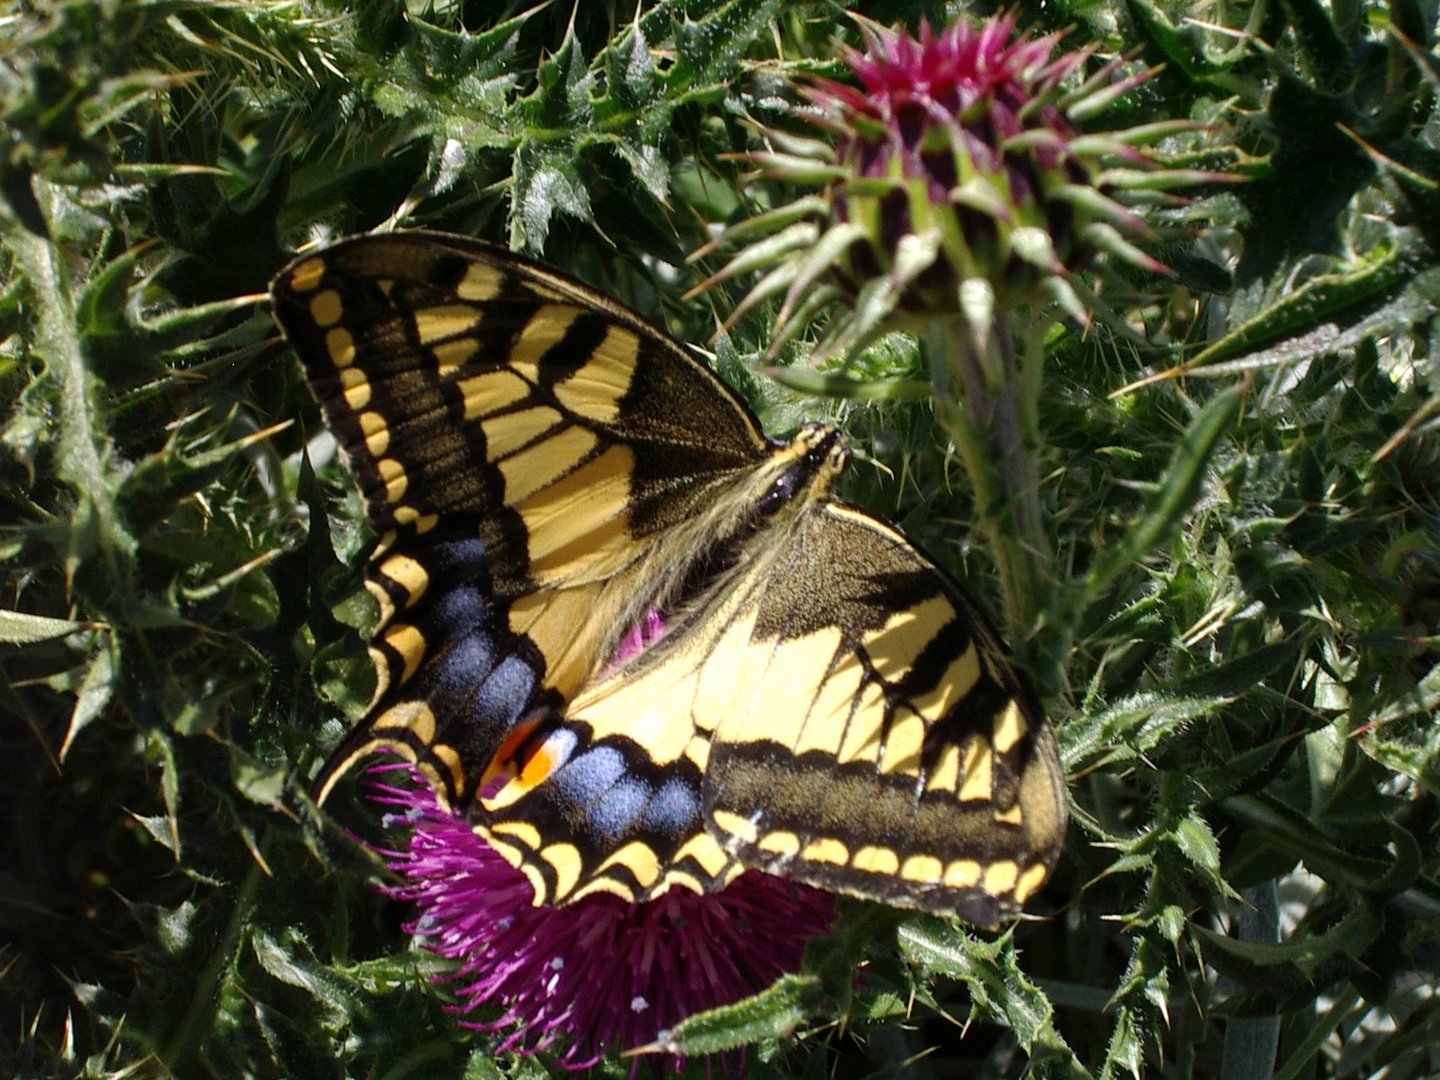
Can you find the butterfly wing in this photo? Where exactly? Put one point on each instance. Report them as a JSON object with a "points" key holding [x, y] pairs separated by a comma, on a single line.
{"points": [[878, 741], [840, 714], [522, 426], [612, 802]]}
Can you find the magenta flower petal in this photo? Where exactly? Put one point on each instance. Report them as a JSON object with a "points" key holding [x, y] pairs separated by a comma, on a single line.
{"points": [[650, 629], [597, 976]]}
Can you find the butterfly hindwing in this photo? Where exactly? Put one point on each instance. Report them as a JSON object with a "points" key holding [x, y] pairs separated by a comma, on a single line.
{"points": [[601, 813], [455, 684], [843, 716]]}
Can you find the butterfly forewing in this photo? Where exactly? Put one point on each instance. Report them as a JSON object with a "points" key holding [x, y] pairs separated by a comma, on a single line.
{"points": [[546, 468], [462, 380]]}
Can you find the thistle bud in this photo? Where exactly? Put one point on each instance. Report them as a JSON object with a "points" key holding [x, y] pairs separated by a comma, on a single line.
{"points": [[956, 182]]}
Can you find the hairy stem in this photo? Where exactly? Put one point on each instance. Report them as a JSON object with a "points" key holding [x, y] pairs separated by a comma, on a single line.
{"points": [[987, 403]]}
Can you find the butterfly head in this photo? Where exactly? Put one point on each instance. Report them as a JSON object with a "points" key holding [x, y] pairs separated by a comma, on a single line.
{"points": [[805, 468], [824, 449]]}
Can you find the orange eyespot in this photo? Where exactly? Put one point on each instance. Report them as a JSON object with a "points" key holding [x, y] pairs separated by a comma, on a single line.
{"points": [[508, 760]]}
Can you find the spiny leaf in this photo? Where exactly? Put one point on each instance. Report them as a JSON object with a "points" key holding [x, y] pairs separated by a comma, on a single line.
{"points": [[769, 1014], [22, 628]]}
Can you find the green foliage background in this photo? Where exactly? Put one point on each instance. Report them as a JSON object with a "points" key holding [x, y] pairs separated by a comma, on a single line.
{"points": [[1240, 642]]}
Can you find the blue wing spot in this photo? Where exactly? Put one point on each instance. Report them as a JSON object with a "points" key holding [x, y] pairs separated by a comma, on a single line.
{"points": [[613, 814], [673, 810], [457, 559], [459, 611], [502, 697], [457, 670], [589, 776]]}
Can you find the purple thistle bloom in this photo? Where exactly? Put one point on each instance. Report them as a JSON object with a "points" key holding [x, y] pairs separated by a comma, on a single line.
{"points": [[597, 976], [975, 84], [964, 131], [956, 180], [649, 629]]}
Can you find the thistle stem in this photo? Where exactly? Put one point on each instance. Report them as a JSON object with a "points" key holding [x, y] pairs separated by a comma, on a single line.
{"points": [[988, 406]]}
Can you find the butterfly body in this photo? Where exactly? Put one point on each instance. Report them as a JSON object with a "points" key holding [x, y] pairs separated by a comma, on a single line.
{"points": [[550, 473]]}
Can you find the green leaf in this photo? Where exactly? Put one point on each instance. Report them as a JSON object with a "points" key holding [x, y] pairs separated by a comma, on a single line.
{"points": [[1176, 492], [997, 985], [708, 49], [1325, 314], [1350, 936], [1198, 844], [546, 183], [22, 628], [1184, 50], [769, 1014], [1136, 725], [1423, 701], [96, 689]]}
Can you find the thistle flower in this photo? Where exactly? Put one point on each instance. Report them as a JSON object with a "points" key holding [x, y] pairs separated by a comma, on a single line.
{"points": [[596, 976], [957, 199], [958, 182]]}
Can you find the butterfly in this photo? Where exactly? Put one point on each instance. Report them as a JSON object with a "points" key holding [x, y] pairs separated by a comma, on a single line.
{"points": [[638, 643]]}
